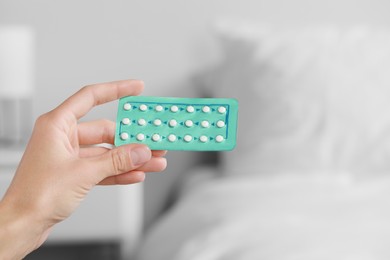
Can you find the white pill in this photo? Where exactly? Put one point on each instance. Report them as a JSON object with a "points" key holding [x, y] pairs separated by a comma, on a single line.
{"points": [[203, 138], [190, 109], [206, 109], [159, 108], [140, 137], [189, 123], [219, 138], [124, 136], [156, 137], [172, 123], [157, 122], [220, 123], [141, 121], [205, 124], [172, 137], [222, 110], [127, 106], [187, 138], [174, 109], [126, 121], [143, 107]]}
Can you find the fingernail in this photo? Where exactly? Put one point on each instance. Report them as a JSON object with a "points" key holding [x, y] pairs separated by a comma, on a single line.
{"points": [[140, 155]]}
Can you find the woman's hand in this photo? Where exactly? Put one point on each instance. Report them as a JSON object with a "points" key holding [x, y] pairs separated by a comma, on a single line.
{"points": [[62, 164]]}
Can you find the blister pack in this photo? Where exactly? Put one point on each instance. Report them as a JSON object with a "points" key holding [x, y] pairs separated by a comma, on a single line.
{"points": [[170, 123]]}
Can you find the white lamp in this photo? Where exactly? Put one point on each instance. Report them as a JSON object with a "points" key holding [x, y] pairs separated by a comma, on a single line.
{"points": [[16, 83]]}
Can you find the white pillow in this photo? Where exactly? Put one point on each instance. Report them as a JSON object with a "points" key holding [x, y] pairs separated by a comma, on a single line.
{"points": [[312, 99]]}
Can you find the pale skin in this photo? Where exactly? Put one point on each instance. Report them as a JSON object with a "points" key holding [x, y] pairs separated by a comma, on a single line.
{"points": [[62, 163]]}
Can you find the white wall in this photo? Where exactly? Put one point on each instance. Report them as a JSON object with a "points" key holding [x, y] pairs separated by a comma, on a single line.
{"points": [[81, 42], [161, 42]]}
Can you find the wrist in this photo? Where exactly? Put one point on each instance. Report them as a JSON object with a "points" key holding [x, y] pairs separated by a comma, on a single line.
{"points": [[20, 232]]}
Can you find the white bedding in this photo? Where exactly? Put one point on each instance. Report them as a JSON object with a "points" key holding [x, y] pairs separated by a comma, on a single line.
{"points": [[284, 217], [313, 119]]}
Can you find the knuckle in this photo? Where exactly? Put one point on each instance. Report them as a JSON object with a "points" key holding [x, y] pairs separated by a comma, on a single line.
{"points": [[107, 125], [108, 130], [44, 119], [50, 117], [106, 122], [90, 90], [47, 116], [86, 88], [120, 161]]}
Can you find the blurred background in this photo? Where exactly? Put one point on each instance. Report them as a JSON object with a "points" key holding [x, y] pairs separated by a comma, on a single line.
{"points": [[49, 49]]}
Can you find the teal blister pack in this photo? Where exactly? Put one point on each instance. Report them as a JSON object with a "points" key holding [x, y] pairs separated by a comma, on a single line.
{"points": [[171, 123]]}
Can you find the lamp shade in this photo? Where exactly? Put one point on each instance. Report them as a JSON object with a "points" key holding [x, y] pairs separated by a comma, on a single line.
{"points": [[16, 62]]}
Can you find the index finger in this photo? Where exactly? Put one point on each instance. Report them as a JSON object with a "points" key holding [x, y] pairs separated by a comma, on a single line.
{"points": [[90, 96]]}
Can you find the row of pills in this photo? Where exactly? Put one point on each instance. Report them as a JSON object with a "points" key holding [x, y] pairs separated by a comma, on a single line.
{"points": [[173, 138], [173, 122], [173, 108]]}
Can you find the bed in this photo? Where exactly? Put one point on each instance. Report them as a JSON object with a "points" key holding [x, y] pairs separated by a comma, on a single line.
{"points": [[310, 176]]}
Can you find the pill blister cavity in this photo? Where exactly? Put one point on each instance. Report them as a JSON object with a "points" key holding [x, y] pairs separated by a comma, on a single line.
{"points": [[127, 106], [187, 138], [126, 121], [157, 122], [141, 122], [222, 110], [189, 123], [140, 137], [124, 136], [172, 123], [203, 139], [205, 124], [172, 138], [143, 107], [156, 137], [219, 138], [190, 109], [174, 109], [220, 123], [159, 108], [206, 109]]}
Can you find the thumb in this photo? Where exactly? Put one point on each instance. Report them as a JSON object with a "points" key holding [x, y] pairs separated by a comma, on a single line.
{"points": [[121, 159]]}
